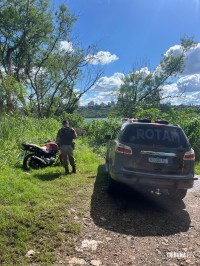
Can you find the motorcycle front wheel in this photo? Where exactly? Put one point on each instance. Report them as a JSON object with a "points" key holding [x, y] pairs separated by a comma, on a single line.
{"points": [[29, 163]]}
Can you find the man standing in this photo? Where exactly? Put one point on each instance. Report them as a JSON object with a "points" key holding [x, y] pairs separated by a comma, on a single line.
{"points": [[65, 137]]}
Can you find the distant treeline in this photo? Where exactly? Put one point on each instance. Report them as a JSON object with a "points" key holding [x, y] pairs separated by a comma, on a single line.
{"points": [[106, 111], [94, 111]]}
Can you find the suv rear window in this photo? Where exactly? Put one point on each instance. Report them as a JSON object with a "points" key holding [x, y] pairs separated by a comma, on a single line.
{"points": [[147, 134]]}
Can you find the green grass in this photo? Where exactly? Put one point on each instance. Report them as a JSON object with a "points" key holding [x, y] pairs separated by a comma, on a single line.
{"points": [[197, 168], [35, 208], [34, 205]]}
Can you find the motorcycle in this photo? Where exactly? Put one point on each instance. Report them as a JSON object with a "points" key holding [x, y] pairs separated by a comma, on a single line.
{"points": [[37, 157]]}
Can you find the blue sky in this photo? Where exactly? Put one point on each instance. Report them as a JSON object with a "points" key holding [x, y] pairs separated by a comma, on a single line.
{"points": [[135, 33]]}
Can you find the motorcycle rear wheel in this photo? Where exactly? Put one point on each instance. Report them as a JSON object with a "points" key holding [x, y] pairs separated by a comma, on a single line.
{"points": [[29, 163]]}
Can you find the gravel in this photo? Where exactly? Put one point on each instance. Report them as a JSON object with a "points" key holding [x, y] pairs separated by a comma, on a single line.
{"points": [[130, 229]]}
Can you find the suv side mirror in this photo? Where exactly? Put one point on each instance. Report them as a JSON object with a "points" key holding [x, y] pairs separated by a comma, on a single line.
{"points": [[107, 137]]}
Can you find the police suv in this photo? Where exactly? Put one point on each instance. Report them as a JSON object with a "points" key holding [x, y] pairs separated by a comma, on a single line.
{"points": [[152, 155]]}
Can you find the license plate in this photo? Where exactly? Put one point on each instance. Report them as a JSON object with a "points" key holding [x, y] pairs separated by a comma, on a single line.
{"points": [[157, 160]]}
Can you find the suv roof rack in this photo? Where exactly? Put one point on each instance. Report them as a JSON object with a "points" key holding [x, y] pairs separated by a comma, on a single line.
{"points": [[164, 122], [144, 120]]}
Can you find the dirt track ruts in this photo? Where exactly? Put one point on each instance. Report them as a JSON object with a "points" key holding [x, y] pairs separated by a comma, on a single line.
{"points": [[131, 229]]}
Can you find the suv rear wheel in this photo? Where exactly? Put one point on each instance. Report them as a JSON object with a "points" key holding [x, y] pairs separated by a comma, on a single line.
{"points": [[177, 193], [113, 186]]}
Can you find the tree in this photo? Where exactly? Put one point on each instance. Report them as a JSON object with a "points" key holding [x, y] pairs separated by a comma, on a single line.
{"points": [[142, 89], [30, 51], [10, 94], [55, 84]]}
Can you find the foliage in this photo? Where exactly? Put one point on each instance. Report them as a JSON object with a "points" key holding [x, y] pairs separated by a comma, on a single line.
{"points": [[31, 51], [11, 94], [97, 129], [197, 168], [74, 120], [135, 92], [192, 130], [142, 89], [152, 113]]}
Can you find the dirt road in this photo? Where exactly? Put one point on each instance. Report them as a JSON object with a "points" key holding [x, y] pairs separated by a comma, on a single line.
{"points": [[131, 229]]}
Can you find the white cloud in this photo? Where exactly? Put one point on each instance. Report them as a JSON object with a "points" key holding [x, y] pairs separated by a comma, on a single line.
{"points": [[66, 46], [192, 62], [185, 91], [189, 83], [192, 98], [170, 89], [102, 58], [172, 94], [175, 50], [104, 90], [109, 84], [192, 58], [144, 72], [186, 98]]}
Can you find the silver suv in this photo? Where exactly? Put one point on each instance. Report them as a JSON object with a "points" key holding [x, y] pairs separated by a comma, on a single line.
{"points": [[152, 155]]}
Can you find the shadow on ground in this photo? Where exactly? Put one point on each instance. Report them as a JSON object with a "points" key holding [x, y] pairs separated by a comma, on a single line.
{"points": [[42, 176], [132, 213], [47, 176]]}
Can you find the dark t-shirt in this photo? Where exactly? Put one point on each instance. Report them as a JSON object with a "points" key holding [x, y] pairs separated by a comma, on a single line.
{"points": [[65, 136]]}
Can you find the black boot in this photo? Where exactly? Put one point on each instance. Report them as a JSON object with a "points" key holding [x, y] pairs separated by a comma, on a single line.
{"points": [[66, 171], [74, 170]]}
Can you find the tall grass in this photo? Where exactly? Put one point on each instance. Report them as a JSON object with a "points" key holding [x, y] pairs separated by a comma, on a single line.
{"points": [[16, 130]]}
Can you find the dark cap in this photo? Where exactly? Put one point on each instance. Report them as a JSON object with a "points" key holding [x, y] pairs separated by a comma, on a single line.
{"points": [[65, 122]]}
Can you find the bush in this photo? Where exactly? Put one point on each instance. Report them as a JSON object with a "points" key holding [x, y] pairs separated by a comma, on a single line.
{"points": [[97, 129], [75, 120], [192, 130]]}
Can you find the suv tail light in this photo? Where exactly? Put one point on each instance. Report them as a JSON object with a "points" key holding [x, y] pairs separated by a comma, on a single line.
{"points": [[121, 148], [189, 155]]}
